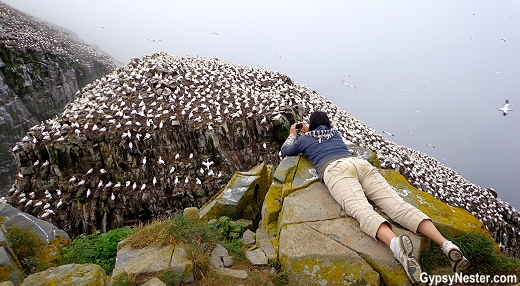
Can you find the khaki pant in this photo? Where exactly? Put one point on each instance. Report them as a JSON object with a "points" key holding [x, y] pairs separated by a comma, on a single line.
{"points": [[353, 181]]}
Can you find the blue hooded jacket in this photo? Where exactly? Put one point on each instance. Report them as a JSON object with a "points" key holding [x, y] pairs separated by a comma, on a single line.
{"points": [[321, 146]]}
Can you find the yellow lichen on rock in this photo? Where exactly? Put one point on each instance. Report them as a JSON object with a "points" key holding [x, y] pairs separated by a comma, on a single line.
{"points": [[455, 220]]}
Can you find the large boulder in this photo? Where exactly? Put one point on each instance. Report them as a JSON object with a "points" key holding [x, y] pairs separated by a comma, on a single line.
{"points": [[141, 263], [52, 238], [70, 274], [10, 267], [11, 216], [317, 243], [242, 197]]}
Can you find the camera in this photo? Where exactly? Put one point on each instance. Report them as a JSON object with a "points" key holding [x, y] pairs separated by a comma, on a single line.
{"points": [[299, 126]]}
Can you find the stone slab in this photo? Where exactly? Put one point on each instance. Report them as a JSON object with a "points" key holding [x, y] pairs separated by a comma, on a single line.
{"points": [[311, 258]]}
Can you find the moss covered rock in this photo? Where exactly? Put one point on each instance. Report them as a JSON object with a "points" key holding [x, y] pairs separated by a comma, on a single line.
{"points": [[70, 274], [318, 244]]}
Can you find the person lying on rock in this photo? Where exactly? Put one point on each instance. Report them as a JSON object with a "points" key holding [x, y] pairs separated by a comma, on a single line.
{"points": [[353, 181]]}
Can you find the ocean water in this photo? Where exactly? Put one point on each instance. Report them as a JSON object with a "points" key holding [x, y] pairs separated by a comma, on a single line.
{"points": [[433, 73]]}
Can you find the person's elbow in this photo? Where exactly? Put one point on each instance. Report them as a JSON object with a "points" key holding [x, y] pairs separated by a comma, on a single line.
{"points": [[288, 152]]}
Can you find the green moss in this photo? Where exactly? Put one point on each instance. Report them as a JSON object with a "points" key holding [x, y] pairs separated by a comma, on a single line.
{"points": [[272, 204], [5, 272], [27, 247]]}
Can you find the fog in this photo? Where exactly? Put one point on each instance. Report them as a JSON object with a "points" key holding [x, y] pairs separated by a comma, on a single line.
{"points": [[430, 72]]}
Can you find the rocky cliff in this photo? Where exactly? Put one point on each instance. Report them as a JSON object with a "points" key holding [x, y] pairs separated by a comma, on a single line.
{"points": [[164, 132], [41, 69]]}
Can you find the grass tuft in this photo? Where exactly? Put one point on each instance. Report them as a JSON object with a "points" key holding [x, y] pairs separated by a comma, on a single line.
{"points": [[480, 252]]}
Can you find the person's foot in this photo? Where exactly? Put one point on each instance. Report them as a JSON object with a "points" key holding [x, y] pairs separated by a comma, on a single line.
{"points": [[459, 263], [404, 254]]}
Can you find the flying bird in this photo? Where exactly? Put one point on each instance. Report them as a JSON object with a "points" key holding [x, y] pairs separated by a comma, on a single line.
{"points": [[348, 85], [505, 108], [389, 133]]}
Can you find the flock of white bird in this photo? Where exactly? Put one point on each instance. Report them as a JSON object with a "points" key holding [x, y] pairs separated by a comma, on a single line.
{"points": [[159, 92], [24, 32]]}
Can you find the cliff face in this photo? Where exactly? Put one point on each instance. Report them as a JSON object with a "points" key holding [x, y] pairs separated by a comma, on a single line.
{"points": [[41, 69], [153, 137]]}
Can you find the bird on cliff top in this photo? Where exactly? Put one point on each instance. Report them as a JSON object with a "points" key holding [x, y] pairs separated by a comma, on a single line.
{"points": [[160, 161]]}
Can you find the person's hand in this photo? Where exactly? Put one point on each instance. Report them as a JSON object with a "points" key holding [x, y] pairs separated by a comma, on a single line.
{"points": [[303, 128]]}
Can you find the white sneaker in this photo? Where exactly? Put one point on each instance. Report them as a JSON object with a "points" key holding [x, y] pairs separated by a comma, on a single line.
{"points": [[404, 254], [459, 263]]}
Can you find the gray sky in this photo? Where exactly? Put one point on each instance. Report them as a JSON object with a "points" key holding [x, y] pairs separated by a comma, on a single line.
{"points": [[437, 69]]}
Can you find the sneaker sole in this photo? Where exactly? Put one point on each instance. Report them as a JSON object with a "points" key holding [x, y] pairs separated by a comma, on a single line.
{"points": [[413, 268], [459, 262], [406, 244], [461, 265]]}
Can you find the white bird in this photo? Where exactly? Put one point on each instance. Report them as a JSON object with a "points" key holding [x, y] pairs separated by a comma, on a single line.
{"points": [[176, 180], [102, 171], [144, 160], [112, 197], [160, 161], [348, 85], [389, 133], [88, 193], [134, 186], [72, 180], [207, 164], [143, 187], [172, 170], [154, 181], [90, 171], [505, 108], [430, 145], [59, 204]]}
